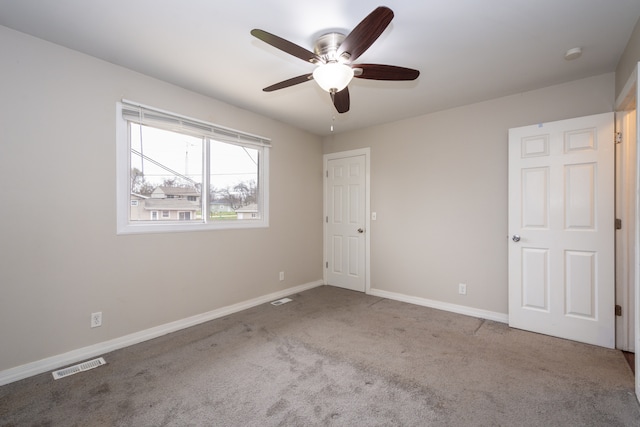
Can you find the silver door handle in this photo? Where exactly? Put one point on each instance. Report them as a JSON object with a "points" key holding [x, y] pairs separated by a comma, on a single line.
{"points": [[360, 230], [515, 238]]}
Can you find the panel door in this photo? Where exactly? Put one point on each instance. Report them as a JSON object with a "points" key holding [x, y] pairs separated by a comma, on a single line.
{"points": [[561, 229], [346, 223]]}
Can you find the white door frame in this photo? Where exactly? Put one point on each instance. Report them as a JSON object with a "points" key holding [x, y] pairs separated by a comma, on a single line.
{"points": [[625, 236], [366, 152], [631, 91]]}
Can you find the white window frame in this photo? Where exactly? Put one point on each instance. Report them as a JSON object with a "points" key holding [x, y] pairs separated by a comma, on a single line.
{"points": [[217, 133]]}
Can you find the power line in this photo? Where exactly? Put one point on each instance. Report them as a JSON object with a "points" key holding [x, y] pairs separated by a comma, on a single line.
{"points": [[160, 165]]}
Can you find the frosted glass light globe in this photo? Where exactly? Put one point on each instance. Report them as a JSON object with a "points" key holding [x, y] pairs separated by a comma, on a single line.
{"points": [[333, 76]]}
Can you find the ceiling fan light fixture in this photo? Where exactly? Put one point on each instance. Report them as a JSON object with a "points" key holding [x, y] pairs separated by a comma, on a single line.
{"points": [[333, 54], [333, 76]]}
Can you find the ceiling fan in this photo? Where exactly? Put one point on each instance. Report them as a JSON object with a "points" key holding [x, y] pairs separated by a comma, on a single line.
{"points": [[334, 54]]}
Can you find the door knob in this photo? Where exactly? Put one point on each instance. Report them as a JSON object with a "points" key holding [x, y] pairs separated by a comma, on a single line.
{"points": [[515, 238], [360, 230]]}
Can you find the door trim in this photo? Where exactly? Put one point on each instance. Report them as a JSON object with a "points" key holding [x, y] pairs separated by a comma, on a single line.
{"points": [[366, 152], [625, 237], [631, 94]]}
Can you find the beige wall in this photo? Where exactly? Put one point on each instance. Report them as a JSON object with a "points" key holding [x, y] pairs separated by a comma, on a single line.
{"points": [[629, 59], [60, 256], [439, 188]]}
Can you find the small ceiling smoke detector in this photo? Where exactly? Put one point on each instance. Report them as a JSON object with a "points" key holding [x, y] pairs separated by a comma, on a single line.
{"points": [[574, 53]]}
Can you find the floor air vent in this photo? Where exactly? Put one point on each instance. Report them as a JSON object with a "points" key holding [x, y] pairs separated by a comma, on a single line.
{"points": [[81, 367], [281, 301]]}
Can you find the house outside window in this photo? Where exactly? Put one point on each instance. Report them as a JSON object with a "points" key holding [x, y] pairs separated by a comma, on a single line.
{"points": [[187, 174], [248, 212]]}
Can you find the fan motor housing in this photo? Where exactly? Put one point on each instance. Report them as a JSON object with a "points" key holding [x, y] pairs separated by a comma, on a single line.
{"points": [[327, 45]]}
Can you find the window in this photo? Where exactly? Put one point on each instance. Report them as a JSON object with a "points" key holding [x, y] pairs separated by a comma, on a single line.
{"points": [[187, 174]]}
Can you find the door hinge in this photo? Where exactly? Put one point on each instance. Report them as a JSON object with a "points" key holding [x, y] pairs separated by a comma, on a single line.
{"points": [[618, 224], [327, 174], [618, 310], [618, 137], [326, 219], [326, 264]]}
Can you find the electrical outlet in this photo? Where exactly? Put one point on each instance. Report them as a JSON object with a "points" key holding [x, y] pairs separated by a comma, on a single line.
{"points": [[96, 319], [462, 288], [281, 275]]}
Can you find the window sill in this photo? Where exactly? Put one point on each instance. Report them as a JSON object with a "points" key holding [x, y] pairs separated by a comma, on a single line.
{"points": [[164, 227]]}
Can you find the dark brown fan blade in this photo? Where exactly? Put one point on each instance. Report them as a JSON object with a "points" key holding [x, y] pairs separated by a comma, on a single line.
{"points": [[286, 46], [341, 100], [289, 82], [384, 72], [366, 32]]}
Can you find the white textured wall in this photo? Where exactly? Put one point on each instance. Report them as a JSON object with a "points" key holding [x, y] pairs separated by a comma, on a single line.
{"points": [[60, 257], [629, 60], [439, 187]]}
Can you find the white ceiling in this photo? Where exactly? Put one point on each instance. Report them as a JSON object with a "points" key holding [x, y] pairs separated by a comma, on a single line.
{"points": [[466, 50]]}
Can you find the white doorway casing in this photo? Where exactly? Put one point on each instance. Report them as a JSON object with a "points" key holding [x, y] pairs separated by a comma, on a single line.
{"points": [[347, 232], [625, 233], [629, 100]]}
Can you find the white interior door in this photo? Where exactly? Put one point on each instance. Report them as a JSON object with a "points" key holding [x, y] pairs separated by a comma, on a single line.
{"points": [[561, 226], [345, 221]]}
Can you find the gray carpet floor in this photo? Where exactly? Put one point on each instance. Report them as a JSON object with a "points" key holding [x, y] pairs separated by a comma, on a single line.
{"points": [[338, 358]]}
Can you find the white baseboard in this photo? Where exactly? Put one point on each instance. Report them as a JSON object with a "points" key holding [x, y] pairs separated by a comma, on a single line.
{"points": [[51, 363], [454, 308]]}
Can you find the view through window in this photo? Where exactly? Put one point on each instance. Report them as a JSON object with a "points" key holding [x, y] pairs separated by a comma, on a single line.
{"points": [[180, 171]]}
